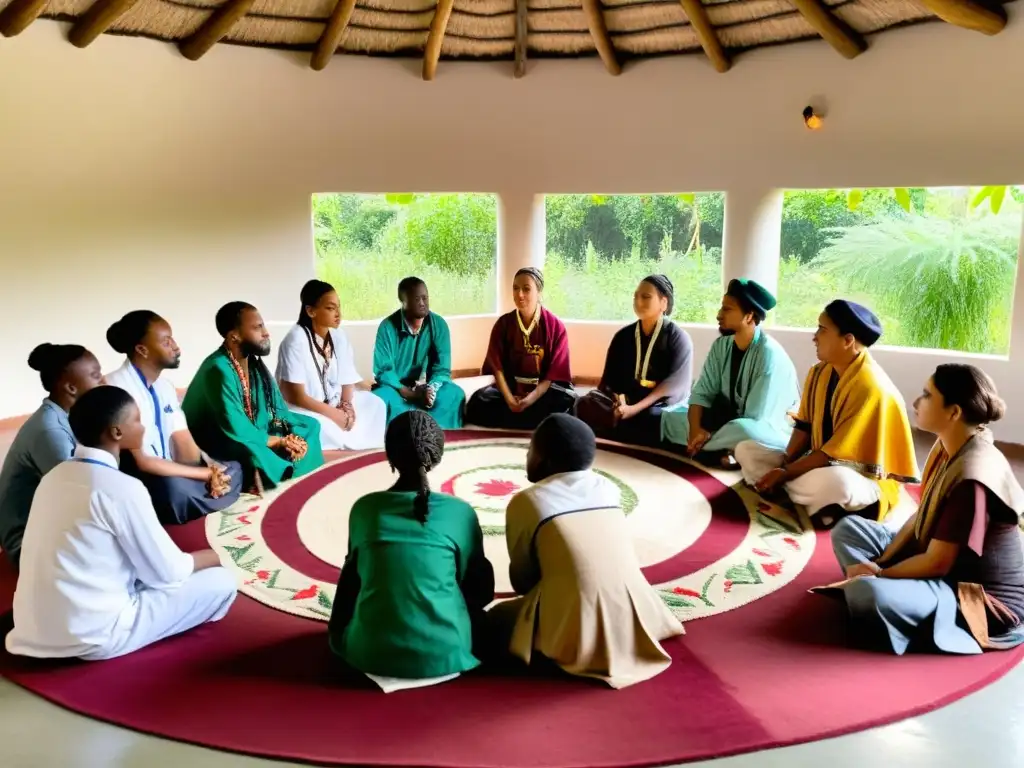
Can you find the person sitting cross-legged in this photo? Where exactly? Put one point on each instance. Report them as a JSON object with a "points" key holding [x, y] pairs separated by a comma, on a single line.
{"points": [[67, 372], [952, 578], [415, 582], [852, 446], [585, 603], [99, 576], [184, 484], [412, 360]]}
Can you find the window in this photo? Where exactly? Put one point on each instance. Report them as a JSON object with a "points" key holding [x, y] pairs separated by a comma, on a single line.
{"points": [[600, 246], [937, 265], [365, 244]]}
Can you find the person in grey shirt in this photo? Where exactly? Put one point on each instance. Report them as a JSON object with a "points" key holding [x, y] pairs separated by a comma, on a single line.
{"points": [[67, 371]]}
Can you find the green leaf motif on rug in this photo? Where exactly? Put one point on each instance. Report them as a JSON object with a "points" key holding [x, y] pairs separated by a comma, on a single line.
{"points": [[251, 565], [228, 524], [680, 597], [775, 526], [324, 600], [743, 574], [237, 553]]}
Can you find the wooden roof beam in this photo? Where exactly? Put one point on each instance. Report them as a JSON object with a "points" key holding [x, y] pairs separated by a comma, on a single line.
{"points": [[969, 15], [97, 20], [328, 42], [522, 30], [15, 18], [599, 31], [435, 37], [214, 29], [837, 34], [698, 16]]}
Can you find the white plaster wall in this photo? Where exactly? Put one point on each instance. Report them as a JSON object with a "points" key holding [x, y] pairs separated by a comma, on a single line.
{"points": [[131, 177]]}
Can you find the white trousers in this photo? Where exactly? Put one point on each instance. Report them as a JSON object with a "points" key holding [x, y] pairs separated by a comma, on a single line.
{"points": [[371, 420], [815, 489], [160, 613]]}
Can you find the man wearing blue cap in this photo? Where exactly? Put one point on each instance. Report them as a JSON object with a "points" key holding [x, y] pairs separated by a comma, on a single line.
{"points": [[852, 444], [747, 385]]}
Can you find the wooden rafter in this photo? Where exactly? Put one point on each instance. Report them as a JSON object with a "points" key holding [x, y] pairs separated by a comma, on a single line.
{"points": [[15, 18], [845, 40], [969, 14], [698, 16], [599, 31], [214, 28], [435, 37], [97, 20], [328, 42], [521, 38]]}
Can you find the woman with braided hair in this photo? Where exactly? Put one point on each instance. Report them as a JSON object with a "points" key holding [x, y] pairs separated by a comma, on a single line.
{"points": [[649, 367], [415, 580]]}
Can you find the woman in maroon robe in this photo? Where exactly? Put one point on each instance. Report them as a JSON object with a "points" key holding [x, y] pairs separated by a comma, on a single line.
{"points": [[528, 356]]}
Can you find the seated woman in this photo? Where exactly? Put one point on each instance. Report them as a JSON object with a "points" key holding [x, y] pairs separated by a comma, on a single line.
{"points": [[953, 577], [317, 374], [649, 366], [415, 580], [99, 575], [183, 483], [528, 355], [587, 606], [67, 372]]}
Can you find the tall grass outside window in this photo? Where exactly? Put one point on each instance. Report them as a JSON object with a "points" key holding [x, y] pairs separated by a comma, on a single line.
{"points": [[600, 246], [937, 265], [365, 244]]}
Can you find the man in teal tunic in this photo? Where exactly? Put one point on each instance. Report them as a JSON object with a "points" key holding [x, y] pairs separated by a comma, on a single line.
{"points": [[235, 410], [746, 388], [412, 360]]}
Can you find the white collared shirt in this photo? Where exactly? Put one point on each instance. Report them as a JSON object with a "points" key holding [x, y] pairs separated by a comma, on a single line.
{"points": [[297, 362], [91, 543], [158, 405]]}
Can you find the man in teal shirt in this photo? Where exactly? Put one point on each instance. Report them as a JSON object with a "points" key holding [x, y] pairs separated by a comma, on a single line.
{"points": [[412, 360], [746, 388]]}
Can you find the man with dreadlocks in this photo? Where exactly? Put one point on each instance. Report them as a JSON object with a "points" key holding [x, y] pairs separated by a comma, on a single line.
{"points": [[415, 580], [235, 410], [586, 605]]}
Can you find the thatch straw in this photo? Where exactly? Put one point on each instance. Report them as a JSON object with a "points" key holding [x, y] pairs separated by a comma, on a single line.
{"points": [[486, 28]]}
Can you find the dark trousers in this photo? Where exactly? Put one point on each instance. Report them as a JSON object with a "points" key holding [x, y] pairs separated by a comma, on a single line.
{"points": [[487, 408]]}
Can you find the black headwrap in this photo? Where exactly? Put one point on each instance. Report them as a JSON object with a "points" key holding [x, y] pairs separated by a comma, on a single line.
{"points": [[414, 445], [663, 286], [536, 274], [565, 443]]}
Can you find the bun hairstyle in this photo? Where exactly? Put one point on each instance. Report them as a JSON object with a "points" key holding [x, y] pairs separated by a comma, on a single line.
{"points": [[972, 389], [51, 360], [128, 332], [665, 289], [414, 445]]}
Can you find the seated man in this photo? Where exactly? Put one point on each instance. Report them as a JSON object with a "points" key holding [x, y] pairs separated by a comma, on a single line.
{"points": [[99, 576], [746, 388], [852, 445], [236, 411], [587, 606], [412, 360], [67, 372], [183, 484]]}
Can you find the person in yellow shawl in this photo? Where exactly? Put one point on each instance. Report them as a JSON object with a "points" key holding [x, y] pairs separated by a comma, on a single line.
{"points": [[585, 603], [952, 578], [852, 446]]}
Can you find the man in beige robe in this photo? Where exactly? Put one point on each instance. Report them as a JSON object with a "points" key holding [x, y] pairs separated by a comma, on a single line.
{"points": [[586, 605]]}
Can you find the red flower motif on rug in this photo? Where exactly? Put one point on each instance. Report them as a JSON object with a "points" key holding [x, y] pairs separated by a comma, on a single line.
{"points": [[243, 538], [687, 592], [496, 488], [792, 542], [308, 592], [772, 569]]}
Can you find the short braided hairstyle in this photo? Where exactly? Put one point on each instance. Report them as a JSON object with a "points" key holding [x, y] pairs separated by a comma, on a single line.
{"points": [[414, 444]]}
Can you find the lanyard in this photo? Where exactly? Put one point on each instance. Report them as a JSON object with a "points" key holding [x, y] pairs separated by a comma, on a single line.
{"points": [[97, 462], [640, 373], [157, 413]]}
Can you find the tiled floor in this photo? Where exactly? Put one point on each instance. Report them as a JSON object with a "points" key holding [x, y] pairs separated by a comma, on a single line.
{"points": [[988, 725]]}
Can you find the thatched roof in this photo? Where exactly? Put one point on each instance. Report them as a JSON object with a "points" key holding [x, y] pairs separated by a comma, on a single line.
{"points": [[504, 29]]}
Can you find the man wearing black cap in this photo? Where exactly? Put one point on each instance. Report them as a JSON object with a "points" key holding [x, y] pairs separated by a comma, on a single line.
{"points": [[852, 444], [586, 605], [747, 385]]}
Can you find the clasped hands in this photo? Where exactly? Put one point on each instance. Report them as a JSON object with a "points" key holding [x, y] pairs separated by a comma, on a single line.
{"points": [[219, 482], [346, 415], [421, 393], [519, 403], [293, 446]]}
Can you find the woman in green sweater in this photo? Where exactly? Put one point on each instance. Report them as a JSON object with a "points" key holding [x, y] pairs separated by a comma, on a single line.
{"points": [[415, 580]]}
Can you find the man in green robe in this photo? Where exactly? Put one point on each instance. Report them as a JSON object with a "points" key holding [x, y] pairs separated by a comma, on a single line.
{"points": [[747, 387], [412, 360], [235, 410]]}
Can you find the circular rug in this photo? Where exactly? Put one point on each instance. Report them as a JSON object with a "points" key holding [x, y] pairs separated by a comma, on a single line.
{"points": [[776, 671], [708, 548]]}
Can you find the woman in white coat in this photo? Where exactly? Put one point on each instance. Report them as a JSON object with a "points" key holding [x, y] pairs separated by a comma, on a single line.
{"points": [[317, 375]]}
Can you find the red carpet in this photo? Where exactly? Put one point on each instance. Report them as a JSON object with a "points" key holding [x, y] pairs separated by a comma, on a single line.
{"points": [[774, 672]]}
